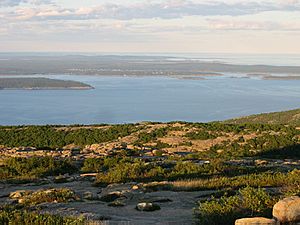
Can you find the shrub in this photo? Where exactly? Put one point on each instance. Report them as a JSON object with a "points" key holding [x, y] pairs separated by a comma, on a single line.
{"points": [[10, 216], [145, 137], [224, 211], [34, 167], [200, 135], [50, 195], [124, 172], [51, 137], [92, 165], [138, 170]]}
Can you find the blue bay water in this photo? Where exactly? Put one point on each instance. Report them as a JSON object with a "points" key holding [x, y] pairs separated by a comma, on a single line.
{"points": [[132, 99]]}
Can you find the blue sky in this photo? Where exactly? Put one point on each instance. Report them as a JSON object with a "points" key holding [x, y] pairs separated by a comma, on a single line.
{"points": [[227, 26]]}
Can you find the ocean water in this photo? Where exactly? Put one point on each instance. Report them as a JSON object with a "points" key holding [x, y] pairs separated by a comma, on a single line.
{"points": [[132, 99]]}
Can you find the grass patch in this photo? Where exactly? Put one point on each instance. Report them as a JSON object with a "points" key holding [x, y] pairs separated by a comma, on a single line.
{"points": [[266, 179]]}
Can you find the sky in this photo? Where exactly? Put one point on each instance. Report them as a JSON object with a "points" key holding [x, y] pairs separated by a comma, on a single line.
{"points": [[178, 26]]}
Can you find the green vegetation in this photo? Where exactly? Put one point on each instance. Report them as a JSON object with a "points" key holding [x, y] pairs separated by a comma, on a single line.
{"points": [[291, 117], [259, 179], [145, 137], [52, 137], [248, 202], [35, 167], [265, 145], [51, 195], [10, 216], [239, 163], [101, 164], [40, 83], [200, 135], [128, 169], [136, 170]]}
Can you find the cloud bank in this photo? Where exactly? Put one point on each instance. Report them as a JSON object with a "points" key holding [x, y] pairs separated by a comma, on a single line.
{"points": [[162, 23], [145, 10]]}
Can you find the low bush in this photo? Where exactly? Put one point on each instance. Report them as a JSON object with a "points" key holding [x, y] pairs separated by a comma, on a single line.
{"points": [[50, 195], [126, 171], [51, 137], [224, 211], [200, 135], [34, 167], [145, 137], [10, 216]]}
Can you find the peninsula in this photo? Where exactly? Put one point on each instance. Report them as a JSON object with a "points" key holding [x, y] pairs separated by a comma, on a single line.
{"points": [[41, 83]]}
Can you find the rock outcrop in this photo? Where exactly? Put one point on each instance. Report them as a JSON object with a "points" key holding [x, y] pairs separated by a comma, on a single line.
{"points": [[287, 210], [255, 221]]}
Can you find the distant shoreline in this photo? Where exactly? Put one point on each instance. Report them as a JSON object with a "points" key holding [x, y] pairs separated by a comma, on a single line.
{"points": [[274, 77], [131, 66]]}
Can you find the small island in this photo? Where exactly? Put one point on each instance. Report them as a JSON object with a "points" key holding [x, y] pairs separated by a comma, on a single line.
{"points": [[41, 83]]}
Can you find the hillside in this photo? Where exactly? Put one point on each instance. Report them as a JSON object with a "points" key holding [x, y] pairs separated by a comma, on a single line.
{"points": [[113, 173], [291, 117]]}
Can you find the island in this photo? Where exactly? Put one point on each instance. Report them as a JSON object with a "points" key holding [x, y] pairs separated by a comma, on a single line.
{"points": [[41, 83]]}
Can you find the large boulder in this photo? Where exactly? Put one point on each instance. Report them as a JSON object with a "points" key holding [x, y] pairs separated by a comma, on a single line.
{"points": [[255, 221], [287, 210], [147, 206]]}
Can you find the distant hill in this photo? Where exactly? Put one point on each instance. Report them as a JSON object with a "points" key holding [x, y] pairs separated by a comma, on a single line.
{"points": [[40, 83], [291, 117]]}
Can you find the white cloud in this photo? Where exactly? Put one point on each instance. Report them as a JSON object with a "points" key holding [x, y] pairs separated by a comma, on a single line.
{"points": [[147, 10], [12, 3]]}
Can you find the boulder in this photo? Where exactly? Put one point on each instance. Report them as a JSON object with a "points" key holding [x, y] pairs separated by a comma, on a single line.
{"points": [[287, 210], [157, 152], [18, 194], [90, 196], [62, 178], [116, 204], [260, 162], [147, 206], [135, 187], [255, 221], [110, 197]]}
